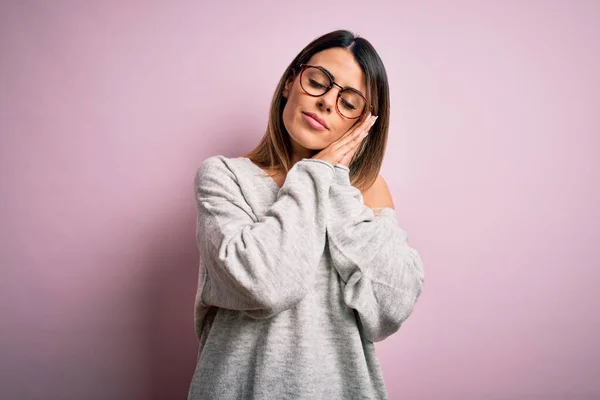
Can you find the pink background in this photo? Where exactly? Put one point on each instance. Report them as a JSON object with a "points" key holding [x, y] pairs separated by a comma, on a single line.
{"points": [[107, 109]]}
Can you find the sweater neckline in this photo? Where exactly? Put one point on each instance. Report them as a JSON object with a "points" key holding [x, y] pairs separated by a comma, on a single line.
{"points": [[378, 211], [272, 181]]}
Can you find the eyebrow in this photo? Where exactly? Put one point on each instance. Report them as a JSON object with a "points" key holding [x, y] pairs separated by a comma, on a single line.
{"points": [[345, 87]]}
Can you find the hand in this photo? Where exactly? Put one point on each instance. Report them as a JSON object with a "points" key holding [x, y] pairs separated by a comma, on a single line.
{"points": [[342, 150], [347, 159]]}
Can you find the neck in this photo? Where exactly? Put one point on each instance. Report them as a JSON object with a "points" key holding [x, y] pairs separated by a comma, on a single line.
{"points": [[300, 152]]}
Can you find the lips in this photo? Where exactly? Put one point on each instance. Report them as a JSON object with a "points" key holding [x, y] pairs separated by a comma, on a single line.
{"points": [[316, 118]]}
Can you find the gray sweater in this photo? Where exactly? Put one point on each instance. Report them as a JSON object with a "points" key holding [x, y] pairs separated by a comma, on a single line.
{"points": [[295, 283]]}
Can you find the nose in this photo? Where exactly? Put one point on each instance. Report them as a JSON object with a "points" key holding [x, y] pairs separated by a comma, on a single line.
{"points": [[328, 100]]}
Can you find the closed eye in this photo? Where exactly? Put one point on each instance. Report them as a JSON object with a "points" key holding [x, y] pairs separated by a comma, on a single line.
{"points": [[317, 84], [346, 104]]}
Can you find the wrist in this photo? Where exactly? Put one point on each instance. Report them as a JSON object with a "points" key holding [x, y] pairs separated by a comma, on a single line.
{"points": [[342, 166]]}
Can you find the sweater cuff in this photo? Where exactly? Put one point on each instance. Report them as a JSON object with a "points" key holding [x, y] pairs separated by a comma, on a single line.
{"points": [[319, 161], [342, 166], [342, 175]]}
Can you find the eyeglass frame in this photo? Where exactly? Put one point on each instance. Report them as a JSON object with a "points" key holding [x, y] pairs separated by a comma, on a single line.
{"points": [[303, 67]]}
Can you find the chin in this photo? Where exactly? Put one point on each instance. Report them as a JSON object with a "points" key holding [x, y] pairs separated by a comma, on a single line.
{"points": [[308, 140]]}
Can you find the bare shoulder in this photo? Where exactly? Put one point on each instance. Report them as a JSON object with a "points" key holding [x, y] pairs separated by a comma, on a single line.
{"points": [[378, 194]]}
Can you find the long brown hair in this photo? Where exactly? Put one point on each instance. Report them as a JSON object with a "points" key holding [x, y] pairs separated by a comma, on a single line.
{"points": [[274, 151]]}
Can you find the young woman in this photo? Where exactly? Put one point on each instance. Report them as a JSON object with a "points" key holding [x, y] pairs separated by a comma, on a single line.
{"points": [[303, 266]]}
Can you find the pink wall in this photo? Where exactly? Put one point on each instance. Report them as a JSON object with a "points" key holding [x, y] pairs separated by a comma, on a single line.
{"points": [[106, 110]]}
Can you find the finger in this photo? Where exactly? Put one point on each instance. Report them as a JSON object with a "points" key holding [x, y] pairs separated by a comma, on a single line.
{"points": [[350, 155], [358, 126], [353, 144], [346, 159], [357, 132], [364, 120], [364, 124]]}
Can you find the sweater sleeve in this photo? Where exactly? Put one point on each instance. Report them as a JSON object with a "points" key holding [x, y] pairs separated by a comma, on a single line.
{"points": [[383, 276], [260, 267]]}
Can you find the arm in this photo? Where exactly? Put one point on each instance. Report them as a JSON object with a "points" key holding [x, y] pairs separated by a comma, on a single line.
{"points": [[260, 267], [383, 276]]}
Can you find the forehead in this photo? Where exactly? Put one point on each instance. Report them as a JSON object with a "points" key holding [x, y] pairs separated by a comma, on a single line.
{"points": [[342, 65]]}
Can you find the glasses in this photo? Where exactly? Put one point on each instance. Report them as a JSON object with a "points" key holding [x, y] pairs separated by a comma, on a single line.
{"points": [[316, 81]]}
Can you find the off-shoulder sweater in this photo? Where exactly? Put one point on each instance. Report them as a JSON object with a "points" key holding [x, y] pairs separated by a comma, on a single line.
{"points": [[295, 283]]}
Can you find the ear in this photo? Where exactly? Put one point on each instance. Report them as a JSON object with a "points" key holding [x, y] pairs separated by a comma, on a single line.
{"points": [[288, 87]]}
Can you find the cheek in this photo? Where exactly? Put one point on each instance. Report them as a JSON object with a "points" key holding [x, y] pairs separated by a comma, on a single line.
{"points": [[288, 114], [343, 127], [290, 119]]}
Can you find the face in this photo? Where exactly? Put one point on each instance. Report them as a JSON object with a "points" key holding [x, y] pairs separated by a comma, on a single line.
{"points": [[306, 137]]}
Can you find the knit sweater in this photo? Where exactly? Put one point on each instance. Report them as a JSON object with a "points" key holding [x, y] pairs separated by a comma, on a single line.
{"points": [[295, 283]]}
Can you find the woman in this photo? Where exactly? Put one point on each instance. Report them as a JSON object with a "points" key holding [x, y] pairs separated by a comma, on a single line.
{"points": [[302, 271]]}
